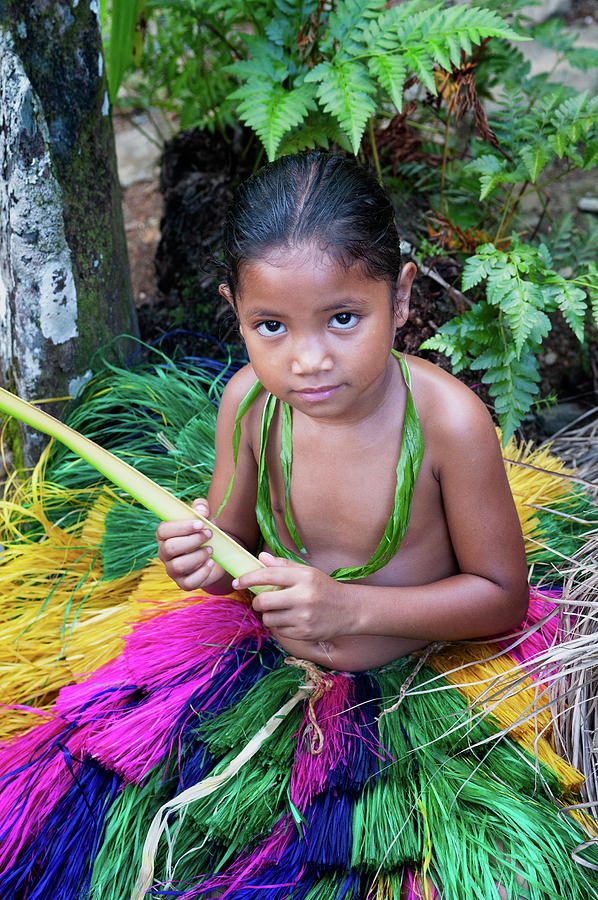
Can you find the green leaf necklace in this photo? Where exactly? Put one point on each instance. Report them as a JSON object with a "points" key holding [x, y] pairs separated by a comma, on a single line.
{"points": [[410, 457]]}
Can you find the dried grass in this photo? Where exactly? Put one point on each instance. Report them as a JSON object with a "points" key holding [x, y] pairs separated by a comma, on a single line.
{"points": [[574, 694]]}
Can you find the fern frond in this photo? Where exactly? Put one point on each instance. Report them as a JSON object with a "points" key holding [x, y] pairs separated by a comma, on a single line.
{"points": [[478, 267], [571, 122], [318, 130], [344, 90], [467, 25], [520, 301], [513, 388], [444, 343], [492, 171], [289, 18], [583, 58], [535, 158], [589, 280], [390, 70], [346, 23], [571, 301], [271, 111], [266, 64]]}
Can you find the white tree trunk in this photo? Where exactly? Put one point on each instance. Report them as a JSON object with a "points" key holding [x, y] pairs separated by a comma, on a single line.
{"points": [[64, 281]]}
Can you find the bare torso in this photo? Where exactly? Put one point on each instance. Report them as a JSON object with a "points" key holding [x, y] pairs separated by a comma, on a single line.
{"points": [[342, 494]]}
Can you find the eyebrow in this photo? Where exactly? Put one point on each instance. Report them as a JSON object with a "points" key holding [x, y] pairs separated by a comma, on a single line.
{"points": [[262, 313]]}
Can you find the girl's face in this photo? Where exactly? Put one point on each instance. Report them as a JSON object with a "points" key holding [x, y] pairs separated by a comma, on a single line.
{"points": [[319, 335]]}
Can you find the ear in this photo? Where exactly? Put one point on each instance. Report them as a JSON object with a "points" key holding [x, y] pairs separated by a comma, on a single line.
{"points": [[403, 293], [225, 291]]}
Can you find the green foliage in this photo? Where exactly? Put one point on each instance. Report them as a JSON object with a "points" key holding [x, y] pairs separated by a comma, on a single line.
{"points": [[308, 73], [503, 334], [126, 40], [280, 64]]}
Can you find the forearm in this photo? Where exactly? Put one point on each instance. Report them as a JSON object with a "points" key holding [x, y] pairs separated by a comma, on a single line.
{"points": [[458, 607]]}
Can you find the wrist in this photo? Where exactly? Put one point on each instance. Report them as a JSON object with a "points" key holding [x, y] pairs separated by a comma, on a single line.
{"points": [[350, 613]]}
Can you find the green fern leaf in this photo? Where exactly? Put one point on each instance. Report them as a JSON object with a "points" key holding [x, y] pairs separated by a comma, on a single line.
{"points": [[590, 282], [535, 158], [478, 267], [493, 359], [520, 300], [574, 117], [422, 64], [590, 157], [571, 301], [343, 90], [291, 15], [492, 172], [583, 58], [318, 130], [443, 344], [521, 309], [264, 65], [513, 388], [347, 21], [391, 71], [271, 111]]}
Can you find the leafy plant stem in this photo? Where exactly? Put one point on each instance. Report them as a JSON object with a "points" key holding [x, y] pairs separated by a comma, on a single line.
{"points": [[550, 181], [375, 156], [511, 211], [146, 134], [223, 38], [258, 159], [445, 151]]}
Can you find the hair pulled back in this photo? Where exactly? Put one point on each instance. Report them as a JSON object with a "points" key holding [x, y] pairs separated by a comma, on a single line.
{"points": [[313, 199]]}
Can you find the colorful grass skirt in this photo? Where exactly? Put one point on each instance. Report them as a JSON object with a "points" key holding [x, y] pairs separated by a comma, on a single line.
{"points": [[370, 781]]}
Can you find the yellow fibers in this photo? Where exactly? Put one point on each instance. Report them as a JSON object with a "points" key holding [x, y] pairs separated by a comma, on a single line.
{"points": [[383, 890], [59, 619], [498, 688], [542, 486], [156, 593]]}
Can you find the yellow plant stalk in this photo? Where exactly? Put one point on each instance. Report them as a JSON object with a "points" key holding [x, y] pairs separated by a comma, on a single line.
{"points": [[230, 555]]}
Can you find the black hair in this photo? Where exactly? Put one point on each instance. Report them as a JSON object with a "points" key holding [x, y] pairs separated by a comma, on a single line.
{"points": [[318, 199]]}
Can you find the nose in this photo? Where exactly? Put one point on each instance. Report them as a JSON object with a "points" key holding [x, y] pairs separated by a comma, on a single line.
{"points": [[310, 356]]}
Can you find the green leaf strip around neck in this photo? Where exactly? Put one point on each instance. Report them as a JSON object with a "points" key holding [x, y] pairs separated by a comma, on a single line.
{"points": [[409, 461]]}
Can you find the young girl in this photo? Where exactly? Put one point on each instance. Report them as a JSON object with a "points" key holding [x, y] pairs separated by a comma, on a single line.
{"points": [[305, 746], [397, 482]]}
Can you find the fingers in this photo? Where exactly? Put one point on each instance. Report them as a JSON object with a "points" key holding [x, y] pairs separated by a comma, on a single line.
{"points": [[273, 576], [200, 505], [185, 527], [181, 547]]}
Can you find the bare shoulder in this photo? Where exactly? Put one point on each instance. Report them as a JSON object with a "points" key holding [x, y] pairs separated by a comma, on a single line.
{"points": [[237, 389], [238, 386], [233, 395], [452, 416]]}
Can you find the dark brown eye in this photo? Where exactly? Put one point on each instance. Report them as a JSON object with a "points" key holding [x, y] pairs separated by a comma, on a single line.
{"points": [[344, 320], [270, 326]]}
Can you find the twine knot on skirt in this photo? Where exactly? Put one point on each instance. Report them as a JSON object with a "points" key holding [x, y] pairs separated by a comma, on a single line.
{"points": [[319, 684]]}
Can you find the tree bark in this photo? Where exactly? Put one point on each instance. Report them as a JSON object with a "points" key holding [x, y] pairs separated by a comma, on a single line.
{"points": [[65, 286]]}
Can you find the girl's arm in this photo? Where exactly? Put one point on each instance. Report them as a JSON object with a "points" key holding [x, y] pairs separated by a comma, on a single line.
{"points": [[183, 546]]}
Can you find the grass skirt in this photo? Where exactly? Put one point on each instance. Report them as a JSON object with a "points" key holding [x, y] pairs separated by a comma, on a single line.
{"points": [[342, 800], [459, 783]]}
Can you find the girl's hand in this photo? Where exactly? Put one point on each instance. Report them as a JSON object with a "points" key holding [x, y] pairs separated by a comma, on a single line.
{"points": [[183, 549], [309, 605]]}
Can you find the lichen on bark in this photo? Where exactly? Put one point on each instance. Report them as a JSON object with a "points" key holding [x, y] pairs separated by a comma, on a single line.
{"points": [[64, 279]]}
